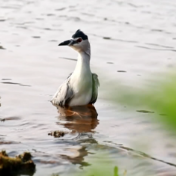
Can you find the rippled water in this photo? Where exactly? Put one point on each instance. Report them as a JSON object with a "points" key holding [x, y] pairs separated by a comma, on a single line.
{"points": [[130, 40]]}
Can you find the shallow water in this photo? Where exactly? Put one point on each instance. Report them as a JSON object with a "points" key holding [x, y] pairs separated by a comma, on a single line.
{"points": [[130, 40]]}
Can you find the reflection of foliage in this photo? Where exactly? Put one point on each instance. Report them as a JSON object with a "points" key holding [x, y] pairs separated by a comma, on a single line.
{"points": [[100, 171], [102, 165]]}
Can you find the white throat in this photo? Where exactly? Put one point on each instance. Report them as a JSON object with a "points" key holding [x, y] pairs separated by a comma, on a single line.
{"points": [[83, 64]]}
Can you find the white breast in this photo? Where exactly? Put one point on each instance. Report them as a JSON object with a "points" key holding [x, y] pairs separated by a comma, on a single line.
{"points": [[82, 88]]}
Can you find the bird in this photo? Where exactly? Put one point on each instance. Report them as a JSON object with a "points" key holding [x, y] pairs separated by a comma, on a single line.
{"points": [[81, 86]]}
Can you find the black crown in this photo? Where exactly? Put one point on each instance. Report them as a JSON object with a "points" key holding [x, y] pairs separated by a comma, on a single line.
{"points": [[81, 34]]}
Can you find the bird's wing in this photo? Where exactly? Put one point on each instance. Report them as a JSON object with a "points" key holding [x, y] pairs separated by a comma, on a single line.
{"points": [[69, 75], [95, 84], [63, 95]]}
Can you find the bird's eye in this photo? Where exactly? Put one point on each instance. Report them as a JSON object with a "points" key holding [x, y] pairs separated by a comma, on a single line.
{"points": [[79, 40]]}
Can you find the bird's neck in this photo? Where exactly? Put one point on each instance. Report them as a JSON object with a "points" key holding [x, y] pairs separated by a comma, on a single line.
{"points": [[83, 64]]}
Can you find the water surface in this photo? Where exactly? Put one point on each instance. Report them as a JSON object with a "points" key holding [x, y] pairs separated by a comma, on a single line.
{"points": [[130, 41]]}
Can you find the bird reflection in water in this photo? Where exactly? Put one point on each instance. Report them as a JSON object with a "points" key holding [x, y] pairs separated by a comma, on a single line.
{"points": [[78, 119]]}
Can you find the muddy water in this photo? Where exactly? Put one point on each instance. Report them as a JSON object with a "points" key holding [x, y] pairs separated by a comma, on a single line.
{"points": [[130, 40]]}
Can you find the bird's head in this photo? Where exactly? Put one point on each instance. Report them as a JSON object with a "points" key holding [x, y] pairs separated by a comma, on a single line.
{"points": [[79, 42]]}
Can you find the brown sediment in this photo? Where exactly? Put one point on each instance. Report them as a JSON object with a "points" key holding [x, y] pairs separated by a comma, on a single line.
{"points": [[21, 164], [58, 133]]}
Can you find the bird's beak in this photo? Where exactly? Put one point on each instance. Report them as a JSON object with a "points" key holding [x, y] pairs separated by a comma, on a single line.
{"points": [[67, 42]]}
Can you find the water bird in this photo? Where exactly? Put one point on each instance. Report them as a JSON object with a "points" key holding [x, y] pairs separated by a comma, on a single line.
{"points": [[81, 87]]}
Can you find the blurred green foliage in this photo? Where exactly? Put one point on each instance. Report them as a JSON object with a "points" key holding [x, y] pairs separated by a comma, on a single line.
{"points": [[160, 97]]}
